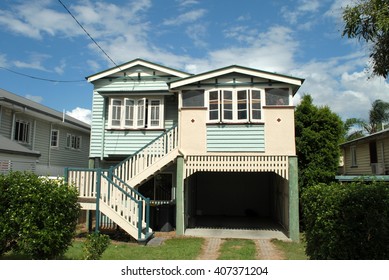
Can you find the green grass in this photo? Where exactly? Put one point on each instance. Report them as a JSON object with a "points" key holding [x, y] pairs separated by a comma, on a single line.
{"points": [[291, 250], [237, 249], [171, 249]]}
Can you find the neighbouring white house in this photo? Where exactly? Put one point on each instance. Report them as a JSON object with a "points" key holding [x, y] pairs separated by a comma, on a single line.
{"points": [[215, 149]]}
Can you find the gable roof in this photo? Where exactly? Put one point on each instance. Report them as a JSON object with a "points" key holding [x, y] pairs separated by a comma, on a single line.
{"points": [[9, 99], [271, 76], [378, 135], [137, 62]]}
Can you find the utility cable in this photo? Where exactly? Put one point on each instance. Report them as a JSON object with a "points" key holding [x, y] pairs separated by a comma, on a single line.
{"points": [[94, 41], [41, 79]]}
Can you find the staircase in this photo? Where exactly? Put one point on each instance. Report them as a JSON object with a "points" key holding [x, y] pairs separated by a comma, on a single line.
{"points": [[112, 193]]}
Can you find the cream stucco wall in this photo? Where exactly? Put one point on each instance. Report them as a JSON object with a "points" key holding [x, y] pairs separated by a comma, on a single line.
{"points": [[193, 131], [279, 131]]}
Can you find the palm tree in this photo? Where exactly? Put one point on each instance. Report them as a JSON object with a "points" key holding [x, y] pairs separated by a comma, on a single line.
{"points": [[378, 114]]}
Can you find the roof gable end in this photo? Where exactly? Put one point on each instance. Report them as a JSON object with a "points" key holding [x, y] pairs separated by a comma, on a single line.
{"points": [[134, 63], [236, 69]]}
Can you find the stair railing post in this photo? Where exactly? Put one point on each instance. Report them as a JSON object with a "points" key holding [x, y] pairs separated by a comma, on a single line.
{"points": [[140, 218], [147, 214], [98, 194], [110, 176]]}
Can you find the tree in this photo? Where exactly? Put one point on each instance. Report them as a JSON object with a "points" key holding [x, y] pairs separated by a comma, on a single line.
{"points": [[318, 135], [378, 115], [369, 21]]}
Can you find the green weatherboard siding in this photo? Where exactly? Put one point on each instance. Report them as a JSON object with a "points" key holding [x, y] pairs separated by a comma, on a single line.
{"points": [[236, 138]]}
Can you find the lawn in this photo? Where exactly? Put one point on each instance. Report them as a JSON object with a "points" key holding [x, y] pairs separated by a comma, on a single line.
{"points": [[291, 250], [237, 249], [179, 248], [172, 249]]}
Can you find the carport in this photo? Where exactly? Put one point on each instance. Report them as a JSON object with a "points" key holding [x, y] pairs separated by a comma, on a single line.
{"points": [[236, 201]]}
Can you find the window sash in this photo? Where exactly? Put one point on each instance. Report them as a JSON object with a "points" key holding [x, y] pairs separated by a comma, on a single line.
{"points": [[22, 129], [54, 138], [116, 112], [154, 113], [237, 106], [136, 113], [214, 106]]}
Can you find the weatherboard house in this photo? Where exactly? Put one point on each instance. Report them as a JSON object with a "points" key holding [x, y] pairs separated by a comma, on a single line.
{"points": [[216, 148], [39, 139]]}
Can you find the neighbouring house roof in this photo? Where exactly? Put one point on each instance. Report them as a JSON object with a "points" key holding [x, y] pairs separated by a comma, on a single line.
{"points": [[378, 135], [8, 146], [270, 76], [16, 102], [133, 63]]}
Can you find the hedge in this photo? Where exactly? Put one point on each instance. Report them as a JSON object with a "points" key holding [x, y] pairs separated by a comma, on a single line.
{"points": [[38, 216], [349, 221]]}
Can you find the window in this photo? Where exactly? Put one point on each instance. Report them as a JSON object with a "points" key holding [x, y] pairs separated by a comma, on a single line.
{"points": [[277, 96], [234, 105], [22, 131], [213, 106], [54, 143], [193, 98], [73, 141], [135, 113], [353, 151]]}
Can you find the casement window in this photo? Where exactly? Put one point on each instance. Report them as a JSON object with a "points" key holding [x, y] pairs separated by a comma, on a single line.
{"points": [[236, 106], [135, 113], [22, 131], [54, 138], [73, 141]]}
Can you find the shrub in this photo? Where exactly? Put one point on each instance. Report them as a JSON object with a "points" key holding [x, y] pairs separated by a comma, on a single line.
{"points": [[38, 216], [349, 221], [95, 245]]}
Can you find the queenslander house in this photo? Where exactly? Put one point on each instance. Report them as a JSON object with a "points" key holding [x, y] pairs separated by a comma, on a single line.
{"points": [[211, 150]]}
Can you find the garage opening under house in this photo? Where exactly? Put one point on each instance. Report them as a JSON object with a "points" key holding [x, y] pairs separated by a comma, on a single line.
{"points": [[175, 151]]}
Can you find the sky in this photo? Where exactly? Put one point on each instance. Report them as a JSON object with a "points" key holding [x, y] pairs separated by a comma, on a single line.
{"points": [[45, 55]]}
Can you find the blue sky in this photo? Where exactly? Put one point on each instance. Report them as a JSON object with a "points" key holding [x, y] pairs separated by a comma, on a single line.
{"points": [[300, 38]]}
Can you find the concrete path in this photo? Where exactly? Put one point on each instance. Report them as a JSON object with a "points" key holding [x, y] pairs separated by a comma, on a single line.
{"points": [[210, 249], [265, 249]]}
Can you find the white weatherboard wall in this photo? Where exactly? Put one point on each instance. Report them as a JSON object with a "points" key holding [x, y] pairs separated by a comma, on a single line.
{"points": [[235, 138]]}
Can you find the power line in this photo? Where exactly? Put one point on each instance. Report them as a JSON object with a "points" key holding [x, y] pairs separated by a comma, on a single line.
{"points": [[70, 13], [41, 79]]}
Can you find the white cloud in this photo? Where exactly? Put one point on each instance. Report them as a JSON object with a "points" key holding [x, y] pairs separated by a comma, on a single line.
{"points": [[337, 83], [60, 69], [37, 99], [35, 62], [187, 17], [185, 3], [197, 33], [3, 60], [82, 114]]}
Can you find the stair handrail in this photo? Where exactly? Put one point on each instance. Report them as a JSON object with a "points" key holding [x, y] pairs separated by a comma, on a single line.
{"points": [[144, 147], [139, 202]]}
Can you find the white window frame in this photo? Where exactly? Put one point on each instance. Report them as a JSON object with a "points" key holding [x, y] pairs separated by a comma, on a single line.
{"points": [[23, 131], [223, 102], [141, 111], [73, 141], [54, 131]]}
